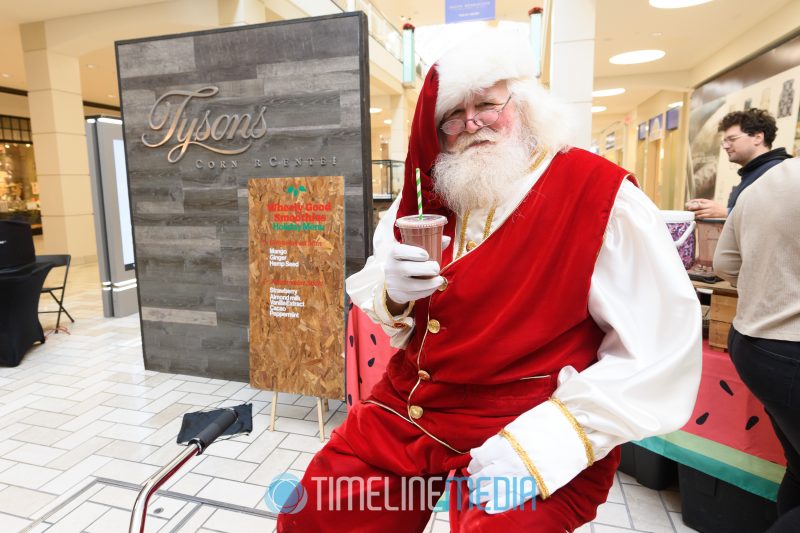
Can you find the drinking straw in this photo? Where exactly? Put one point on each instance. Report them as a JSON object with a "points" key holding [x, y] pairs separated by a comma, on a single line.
{"points": [[419, 195]]}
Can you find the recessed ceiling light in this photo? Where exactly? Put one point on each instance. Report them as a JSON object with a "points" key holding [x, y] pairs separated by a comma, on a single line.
{"points": [[656, 34], [375, 109], [637, 56], [673, 105], [598, 108], [387, 121], [5, 75], [676, 4], [91, 65], [111, 96], [607, 92]]}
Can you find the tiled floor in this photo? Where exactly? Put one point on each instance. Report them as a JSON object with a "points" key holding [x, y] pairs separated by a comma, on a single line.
{"points": [[82, 423]]}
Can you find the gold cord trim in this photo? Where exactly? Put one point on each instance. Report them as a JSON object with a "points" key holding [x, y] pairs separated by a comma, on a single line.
{"points": [[540, 156], [543, 492], [461, 237], [406, 313], [587, 446]]}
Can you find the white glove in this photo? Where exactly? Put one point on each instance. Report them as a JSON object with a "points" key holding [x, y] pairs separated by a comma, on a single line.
{"points": [[498, 477], [409, 274]]}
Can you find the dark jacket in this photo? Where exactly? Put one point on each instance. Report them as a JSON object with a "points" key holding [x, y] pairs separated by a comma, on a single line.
{"points": [[754, 169]]}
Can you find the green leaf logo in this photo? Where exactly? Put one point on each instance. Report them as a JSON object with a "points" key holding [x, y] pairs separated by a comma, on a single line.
{"points": [[295, 191]]}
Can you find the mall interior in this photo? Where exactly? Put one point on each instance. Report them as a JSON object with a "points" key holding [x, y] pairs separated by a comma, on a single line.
{"points": [[92, 413]]}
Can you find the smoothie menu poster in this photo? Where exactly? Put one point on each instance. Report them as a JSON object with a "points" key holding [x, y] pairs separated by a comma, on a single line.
{"points": [[296, 284]]}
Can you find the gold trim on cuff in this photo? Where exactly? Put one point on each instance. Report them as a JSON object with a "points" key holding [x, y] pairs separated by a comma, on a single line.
{"points": [[543, 492], [587, 446], [396, 320]]}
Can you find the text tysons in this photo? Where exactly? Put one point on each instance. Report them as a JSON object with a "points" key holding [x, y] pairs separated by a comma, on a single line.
{"points": [[173, 125]]}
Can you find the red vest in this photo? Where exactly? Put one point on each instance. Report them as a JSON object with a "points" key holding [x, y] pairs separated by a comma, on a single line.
{"points": [[513, 313]]}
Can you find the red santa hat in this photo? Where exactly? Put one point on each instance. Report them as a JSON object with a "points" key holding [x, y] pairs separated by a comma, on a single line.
{"points": [[475, 65]]}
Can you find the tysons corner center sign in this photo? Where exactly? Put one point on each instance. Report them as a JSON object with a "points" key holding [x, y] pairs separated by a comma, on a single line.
{"points": [[240, 143], [296, 285]]}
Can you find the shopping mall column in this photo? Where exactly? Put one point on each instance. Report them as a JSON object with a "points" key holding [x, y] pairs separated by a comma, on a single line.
{"points": [[401, 117], [571, 75], [59, 146], [241, 12]]}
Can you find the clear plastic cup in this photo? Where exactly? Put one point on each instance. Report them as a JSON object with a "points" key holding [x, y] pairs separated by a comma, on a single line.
{"points": [[425, 233]]}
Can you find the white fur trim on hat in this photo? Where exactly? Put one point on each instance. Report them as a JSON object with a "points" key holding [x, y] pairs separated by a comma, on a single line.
{"points": [[480, 62]]}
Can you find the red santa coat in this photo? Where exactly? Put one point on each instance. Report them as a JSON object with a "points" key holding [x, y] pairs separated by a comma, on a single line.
{"points": [[489, 345]]}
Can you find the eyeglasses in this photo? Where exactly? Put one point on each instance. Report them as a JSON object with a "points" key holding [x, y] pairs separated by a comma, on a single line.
{"points": [[484, 118], [729, 140]]}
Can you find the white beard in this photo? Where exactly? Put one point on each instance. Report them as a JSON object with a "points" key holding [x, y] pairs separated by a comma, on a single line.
{"points": [[482, 176]]}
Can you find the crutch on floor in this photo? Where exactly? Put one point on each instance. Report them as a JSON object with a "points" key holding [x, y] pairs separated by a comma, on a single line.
{"points": [[222, 421]]}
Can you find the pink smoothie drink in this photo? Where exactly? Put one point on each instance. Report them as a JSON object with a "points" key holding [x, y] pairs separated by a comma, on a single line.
{"points": [[425, 233]]}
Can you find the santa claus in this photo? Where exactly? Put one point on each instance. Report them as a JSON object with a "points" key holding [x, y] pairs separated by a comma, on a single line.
{"points": [[559, 324]]}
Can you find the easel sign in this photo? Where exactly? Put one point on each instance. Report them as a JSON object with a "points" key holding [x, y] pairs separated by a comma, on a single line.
{"points": [[296, 285]]}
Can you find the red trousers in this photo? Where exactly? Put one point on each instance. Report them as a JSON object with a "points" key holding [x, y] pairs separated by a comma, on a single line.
{"points": [[359, 482]]}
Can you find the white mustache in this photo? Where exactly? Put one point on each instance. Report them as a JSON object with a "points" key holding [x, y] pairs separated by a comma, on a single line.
{"points": [[465, 141]]}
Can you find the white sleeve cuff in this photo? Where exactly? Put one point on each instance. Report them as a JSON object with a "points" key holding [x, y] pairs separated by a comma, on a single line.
{"points": [[552, 444]]}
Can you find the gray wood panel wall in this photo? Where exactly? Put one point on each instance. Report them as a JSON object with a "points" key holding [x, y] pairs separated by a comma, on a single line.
{"points": [[190, 217]]}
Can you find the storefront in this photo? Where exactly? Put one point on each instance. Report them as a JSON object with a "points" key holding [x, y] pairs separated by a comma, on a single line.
{"points": [[19, 190]]}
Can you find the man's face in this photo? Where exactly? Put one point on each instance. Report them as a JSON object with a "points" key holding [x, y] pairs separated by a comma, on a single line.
{"points": [[741, 147], [474, 136]]}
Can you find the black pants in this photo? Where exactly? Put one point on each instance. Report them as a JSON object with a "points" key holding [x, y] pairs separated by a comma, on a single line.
{"points": [[771, 370]]}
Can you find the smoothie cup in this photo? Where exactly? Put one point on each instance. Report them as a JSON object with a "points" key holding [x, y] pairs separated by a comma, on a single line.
{"points": [[425, 233]]}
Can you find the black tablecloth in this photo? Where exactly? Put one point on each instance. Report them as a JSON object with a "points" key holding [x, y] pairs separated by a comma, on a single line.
{"points": [[19, 310]]}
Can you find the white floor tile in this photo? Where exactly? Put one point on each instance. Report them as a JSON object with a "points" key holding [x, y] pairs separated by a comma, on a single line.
{"points": [[40, 435], [200, 388], [189, 484], [79, 453], [93, 414], [279, 461], [126, 416], [75, 476], [129, 451], [646, 509], [22, 502], [115, 496], [55, 405], [302, 443], [28, 476], [127, 432], [195, 523], [234, 492], [293, 425], [112, 520], [13, 523], [229, 449], [33, 454], [671, 499], [262, 446], [225, 468], [231, 522], [613, 514], [126, 471], [615, 494]]}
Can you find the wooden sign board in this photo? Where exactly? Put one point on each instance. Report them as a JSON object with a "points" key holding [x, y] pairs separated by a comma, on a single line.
{"points": [[296, 280]]}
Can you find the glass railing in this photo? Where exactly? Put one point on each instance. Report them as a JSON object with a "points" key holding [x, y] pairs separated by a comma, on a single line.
{"points": [[382, 30], [387, 179]]}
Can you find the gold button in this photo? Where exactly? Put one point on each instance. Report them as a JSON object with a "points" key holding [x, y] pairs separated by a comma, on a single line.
{"points": [[443, 286], [415, 411], [434, 326], [424, 376], [471, 245]]}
